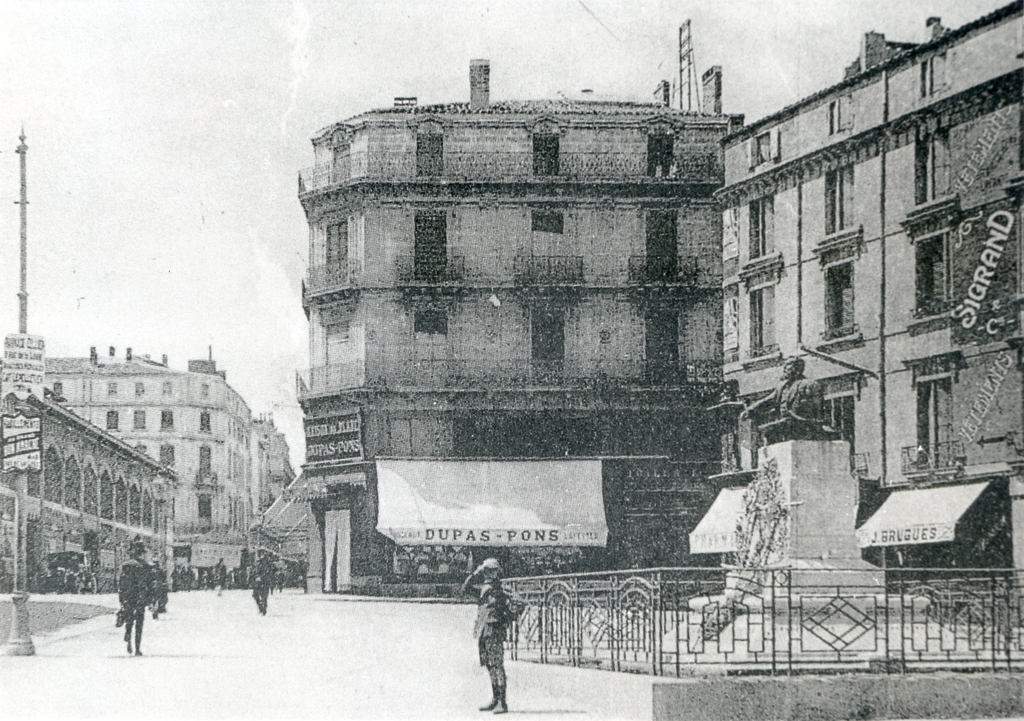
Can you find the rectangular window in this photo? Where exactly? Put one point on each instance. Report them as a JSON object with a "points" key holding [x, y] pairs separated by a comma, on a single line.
{"points": [[838, 199], [661, 241], [205, 508], [661, 344], [839, 301], [934, 413], [763, 147], [932, 72], [545, 155], [139, 420], [430, 154], [167, 455], [166, 420], [931, 167], [58, 389], [336, 251], [762, 320], [924, 79], [431, 320], [833, 117], [204, 421], [205, 460], [111, 389], [762, 221], [430, 251], [931, 274], [112, 420], [168, 388], [140, 389], [840, 414], [546, 221], [204, 390], [659, 155], [548, 334]]}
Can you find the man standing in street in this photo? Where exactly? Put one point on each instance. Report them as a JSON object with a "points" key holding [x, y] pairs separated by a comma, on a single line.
{"points": [[263, 577], [220, 575], [134, 592], [494, 614]]}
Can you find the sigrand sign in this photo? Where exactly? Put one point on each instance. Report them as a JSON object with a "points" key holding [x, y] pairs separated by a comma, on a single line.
{"points": [[984, 268], [334, 438]]}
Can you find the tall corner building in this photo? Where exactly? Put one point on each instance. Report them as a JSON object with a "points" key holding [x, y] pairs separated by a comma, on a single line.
{"points": [[873, 228], [514, 310], [193, 422]]}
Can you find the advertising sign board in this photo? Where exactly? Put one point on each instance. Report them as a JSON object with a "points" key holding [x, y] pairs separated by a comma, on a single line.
{"points": [[24, 365], [334, 438], [22, 442]]}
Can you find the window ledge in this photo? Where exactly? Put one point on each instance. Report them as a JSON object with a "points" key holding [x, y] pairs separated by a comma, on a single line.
{"points": [[928, 323], [854, 339], [758, 362], [841, 246], [932, 217], [767, 269]]}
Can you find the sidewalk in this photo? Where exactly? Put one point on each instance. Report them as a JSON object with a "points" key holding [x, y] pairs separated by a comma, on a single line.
{"points": [[215, 657]]}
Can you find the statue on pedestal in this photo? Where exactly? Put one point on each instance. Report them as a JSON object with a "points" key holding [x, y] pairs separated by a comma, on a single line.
{"points": [[794, 411]]}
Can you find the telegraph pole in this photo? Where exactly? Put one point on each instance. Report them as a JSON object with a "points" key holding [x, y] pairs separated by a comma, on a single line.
{"points": [[22, 150]]}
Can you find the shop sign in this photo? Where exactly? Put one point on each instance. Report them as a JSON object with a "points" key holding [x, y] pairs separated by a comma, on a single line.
{"points": [[497, 536], [908, 535], [984, 270], [334, 438], [22, 441], [713, 543], [24, 367]]}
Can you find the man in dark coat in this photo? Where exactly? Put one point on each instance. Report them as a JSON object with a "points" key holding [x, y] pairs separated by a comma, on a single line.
{"points": [[220, 576], [263, 577], [494, 615], [134, 593], [159, 589]]}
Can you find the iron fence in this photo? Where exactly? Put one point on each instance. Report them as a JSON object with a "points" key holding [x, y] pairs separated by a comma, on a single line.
{"points": [[944, 456], [678, 622]]}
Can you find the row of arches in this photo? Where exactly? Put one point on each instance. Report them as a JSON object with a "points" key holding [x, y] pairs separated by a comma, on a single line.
{"points": [[65, 483]]}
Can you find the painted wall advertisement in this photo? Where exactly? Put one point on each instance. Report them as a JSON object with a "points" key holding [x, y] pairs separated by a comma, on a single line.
{"points": [[22, 441], [983, 263], [24, 366], [334, 438]]}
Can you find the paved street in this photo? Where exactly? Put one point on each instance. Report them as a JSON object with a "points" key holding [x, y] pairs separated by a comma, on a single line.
{"points": [[311, 656]]}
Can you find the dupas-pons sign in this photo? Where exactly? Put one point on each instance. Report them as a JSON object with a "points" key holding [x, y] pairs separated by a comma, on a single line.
{"points": [[984, 267], [334, 438]]}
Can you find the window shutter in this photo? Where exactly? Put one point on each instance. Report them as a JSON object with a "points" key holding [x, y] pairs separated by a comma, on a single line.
{"points": [[848, 303], [939, 73], [846, 113], [774, 145], [768, 316], [752, 153]]}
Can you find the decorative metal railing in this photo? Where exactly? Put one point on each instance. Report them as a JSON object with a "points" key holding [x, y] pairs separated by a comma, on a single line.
{"points": [[676, 622], [685, 270], [939, 457], [328, 277], [548, 270]]}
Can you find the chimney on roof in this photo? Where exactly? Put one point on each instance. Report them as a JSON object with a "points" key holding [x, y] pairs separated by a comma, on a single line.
{"points": [[934, 24], [405, 102], [94, 357], [662, 94], [479, 84], [111, 352], [872, 50], [712, 87], [163, 360], [128, 354]]}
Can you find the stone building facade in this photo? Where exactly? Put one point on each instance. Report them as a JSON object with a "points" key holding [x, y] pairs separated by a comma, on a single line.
{"points": [[873, 228], [509, 280]]}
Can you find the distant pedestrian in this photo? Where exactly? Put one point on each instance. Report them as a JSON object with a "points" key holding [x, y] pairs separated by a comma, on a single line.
{"points": [[220, 576], [494, 614], [134, 593], [159, 588], [263, 578]]}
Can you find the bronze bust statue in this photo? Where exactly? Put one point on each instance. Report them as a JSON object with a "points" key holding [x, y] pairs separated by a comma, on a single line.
{"points": [[794, 411]]}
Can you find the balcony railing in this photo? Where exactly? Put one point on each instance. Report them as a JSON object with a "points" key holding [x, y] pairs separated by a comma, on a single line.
{"points": [[548, 270], [206, 481], [525, 373], [440, 272], [328, 277], [673, 270], [942, 457]]}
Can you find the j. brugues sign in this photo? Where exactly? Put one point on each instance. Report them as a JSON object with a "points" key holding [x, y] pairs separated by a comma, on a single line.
{"points": [[334, 438], [984, 268]]}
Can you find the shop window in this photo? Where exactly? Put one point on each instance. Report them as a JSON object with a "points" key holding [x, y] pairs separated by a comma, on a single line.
{"points": [[762, 321], [430, 154], [762, 222], [139, 420], [205, 509], [432, 320], [932, 278], [839, 301], [112, 420], [838, 199], [546, 221], [931, 167], [167, 455], [430, 250], [166, 420], [548, 335], [659, 155], [545, 155], [204, 421]]}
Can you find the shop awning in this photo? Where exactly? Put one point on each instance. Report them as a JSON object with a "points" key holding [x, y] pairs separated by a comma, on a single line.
{"points": [[923, 515], [716, 532], [491, 503]]}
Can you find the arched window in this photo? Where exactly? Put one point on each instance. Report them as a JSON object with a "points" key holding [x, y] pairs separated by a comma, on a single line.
{"points": [[121, 501], [134, 506], [106, 496], [53, 476], [73, 484], [89, 490], [147, 509]]}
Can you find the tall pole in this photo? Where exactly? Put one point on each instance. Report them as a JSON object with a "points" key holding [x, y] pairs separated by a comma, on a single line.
{"points": [[22, 150]]}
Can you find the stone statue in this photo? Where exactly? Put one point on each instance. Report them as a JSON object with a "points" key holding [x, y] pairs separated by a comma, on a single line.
{"points": [[794, 411]]}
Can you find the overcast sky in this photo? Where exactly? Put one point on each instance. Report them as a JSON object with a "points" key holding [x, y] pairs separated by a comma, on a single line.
{"points": [[165, 137]]}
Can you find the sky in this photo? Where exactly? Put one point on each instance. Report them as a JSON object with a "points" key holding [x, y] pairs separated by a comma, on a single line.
{"points": [[165, 138]]}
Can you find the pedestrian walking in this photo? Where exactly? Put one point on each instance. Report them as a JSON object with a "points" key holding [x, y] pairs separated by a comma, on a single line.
{"points": [[263, 578], [134, 593], [159, 588], [494, 614], [220, 575]]}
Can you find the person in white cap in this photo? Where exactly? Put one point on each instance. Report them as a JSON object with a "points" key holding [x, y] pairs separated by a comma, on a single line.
{"points": [[492, 621]]}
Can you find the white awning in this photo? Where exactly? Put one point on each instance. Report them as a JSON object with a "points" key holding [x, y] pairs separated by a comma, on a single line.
{"points": [[491, 503], [923, 515], [716, 532]]}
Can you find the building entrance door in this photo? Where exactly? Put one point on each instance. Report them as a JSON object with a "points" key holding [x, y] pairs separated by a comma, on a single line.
{"points": [[337, 551]]}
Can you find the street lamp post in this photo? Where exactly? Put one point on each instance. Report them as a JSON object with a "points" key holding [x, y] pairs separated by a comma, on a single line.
{"points": [[20, 641]]}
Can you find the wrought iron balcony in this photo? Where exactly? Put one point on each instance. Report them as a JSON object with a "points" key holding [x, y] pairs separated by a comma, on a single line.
{"points": [[328, 277], [548, 270], [685, 270], [206, 481], [946, 457], [439, 272]]}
